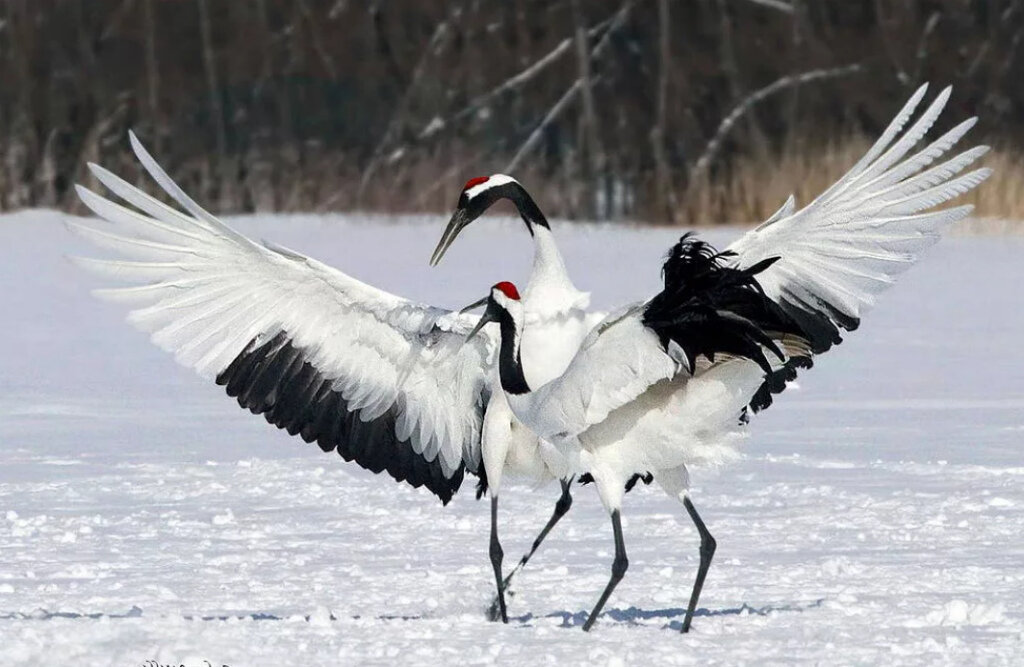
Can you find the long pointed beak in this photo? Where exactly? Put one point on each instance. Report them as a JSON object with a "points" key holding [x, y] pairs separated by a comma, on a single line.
{"points": [[485, 319], [455, 225], [475, 304]]}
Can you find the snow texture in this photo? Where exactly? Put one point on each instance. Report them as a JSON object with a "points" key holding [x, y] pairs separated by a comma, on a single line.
{"points": [[878, 517]]}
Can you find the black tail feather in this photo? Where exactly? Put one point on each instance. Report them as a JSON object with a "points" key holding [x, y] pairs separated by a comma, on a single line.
{"points": [[707, 308]]}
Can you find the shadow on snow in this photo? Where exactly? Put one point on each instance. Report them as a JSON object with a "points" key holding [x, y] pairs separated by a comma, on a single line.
{"points": [[628, 616], [635, 615]]}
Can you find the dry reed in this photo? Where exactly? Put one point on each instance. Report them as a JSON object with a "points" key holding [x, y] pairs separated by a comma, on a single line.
{"points": [[752, 189]]}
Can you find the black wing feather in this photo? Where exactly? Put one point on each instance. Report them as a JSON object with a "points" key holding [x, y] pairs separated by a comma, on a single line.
{"points": [[707, 307], [272, 377]]}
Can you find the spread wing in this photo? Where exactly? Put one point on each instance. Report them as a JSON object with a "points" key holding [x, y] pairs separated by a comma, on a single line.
{"points": [[848, 245], [706, 314], [388, 383]]}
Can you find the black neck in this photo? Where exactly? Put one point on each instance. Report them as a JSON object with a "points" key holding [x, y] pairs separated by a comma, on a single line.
{"points": [[510, 364], [527, 208]]}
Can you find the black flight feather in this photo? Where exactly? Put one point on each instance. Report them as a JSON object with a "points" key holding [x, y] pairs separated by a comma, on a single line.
{"points": [[273, 377], [708, 307]]}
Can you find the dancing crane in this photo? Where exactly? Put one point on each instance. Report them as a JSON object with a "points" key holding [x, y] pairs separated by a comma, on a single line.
{"points": [[559, 322], [665, 384], [383, 381]]}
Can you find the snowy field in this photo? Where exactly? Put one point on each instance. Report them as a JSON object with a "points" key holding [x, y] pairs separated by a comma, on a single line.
{"points": [[878, 517]]}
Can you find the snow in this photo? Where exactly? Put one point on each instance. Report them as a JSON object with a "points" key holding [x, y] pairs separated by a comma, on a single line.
{"points": [[876, 519]]}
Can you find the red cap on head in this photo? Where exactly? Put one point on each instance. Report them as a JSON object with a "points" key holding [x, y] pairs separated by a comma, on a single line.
{"points": [[508, 289], [475, 181]]}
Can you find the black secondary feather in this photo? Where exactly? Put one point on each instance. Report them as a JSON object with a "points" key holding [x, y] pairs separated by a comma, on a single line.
{"points": [[708, 308], [820, 322], [274, 378]]}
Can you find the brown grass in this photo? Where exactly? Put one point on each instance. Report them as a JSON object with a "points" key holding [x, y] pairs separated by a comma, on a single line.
{"points": [[751, 190], [999, 201], [747, 192]]}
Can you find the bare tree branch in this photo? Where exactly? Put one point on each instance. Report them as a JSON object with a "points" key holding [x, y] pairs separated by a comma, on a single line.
{"points": [[563, 102], [213, 89], [615, 24], [730, 67], [441, 33], [589, 148], [520, 79], [152, 74], [922, 44], [715, 143], [318, 44], [512, 83], [445, 179], [979, 58], [664, 193], [553, 113], [775, 4], [116, 19], [890, 52]]}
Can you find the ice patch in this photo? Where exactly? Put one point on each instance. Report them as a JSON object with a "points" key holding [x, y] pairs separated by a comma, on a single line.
{"points": [[228, 517], [960, 612]]}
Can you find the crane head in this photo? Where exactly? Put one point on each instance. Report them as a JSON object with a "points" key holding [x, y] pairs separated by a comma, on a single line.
{"points": [[498, 300], [478, 195]]}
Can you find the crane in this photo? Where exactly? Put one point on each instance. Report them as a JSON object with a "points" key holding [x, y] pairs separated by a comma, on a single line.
{"points": [[559, 323], [668, 383], [385, 382]]}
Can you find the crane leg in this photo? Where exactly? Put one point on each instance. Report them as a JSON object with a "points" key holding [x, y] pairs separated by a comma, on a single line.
{"points": [[707, 552], [619, 566], [496, 555], [561, 507]]}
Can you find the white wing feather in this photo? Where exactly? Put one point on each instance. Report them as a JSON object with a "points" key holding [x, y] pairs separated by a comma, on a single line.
{"points": [[846, 246], [616, 363], [207, 291], [835, 255]]}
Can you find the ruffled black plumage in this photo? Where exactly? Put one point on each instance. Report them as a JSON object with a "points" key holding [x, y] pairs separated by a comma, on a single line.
{"points": [[708, 308]]}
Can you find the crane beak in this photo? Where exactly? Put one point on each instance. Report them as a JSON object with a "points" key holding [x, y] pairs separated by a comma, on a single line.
{"points": [[459, 220], [485, 319], [475, 304]]}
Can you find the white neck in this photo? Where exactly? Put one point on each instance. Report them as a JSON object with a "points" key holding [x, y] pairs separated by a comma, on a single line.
{"points": [[550, 291], [515, 310]]}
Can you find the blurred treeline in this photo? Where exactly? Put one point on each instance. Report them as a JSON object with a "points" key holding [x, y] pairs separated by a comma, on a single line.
{"points": [[603, 108]]}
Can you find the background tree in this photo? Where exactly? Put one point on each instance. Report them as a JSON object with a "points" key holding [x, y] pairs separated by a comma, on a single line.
{"points": [[642, 109]]}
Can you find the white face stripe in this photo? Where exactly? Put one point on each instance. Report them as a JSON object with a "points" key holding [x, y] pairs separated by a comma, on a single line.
{"points": [[515, 311], [502, 299], [491, 182]]}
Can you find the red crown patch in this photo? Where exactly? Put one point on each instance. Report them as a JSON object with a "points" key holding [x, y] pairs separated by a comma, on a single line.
{"points": [[508, 289], [475, 181]]}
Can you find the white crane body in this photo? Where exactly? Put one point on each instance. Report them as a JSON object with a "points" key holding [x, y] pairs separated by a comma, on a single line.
{"points": [[558, 323], [669, 383]]}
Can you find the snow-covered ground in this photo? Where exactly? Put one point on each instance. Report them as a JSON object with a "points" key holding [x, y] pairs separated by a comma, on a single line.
{"points": [[877, 519]]}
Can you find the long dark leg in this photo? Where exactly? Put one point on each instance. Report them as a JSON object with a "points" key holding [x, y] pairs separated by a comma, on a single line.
{"points": [[707, 552], [496, 556], [619, 566], [561, 507]]}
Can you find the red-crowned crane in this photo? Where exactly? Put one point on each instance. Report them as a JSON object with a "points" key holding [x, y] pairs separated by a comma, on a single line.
{"points": [[559, 322], [384, 381], [665, 384]]}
